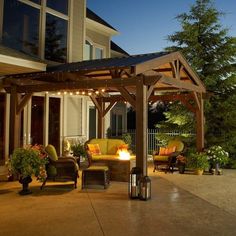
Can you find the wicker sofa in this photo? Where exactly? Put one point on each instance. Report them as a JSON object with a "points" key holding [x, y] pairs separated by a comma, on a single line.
{"points": [[119, 169]]}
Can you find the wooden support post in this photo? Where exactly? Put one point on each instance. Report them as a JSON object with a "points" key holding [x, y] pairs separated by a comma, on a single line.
{"points": [[14, 139], [141, 125], [200, 125], [100, 130]]}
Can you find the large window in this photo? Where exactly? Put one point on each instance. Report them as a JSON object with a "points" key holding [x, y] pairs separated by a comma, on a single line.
{"points": [[54, 123], [98, 53], [21, 27], [23, 31], [55, 38], [58, 5], [37, 120], [88, 51]]}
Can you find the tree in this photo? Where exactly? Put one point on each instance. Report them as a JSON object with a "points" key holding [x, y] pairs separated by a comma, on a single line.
{"points": [[211, 52]]}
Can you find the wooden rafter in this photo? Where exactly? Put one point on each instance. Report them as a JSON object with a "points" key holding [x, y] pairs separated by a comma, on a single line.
{"points": [[96, 103], [110, 106], [180, 84], [196, 100], [129, 98], [23, 102]]}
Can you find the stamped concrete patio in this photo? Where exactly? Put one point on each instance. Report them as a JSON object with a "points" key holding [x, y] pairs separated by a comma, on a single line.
{"points": [[178, 207]]}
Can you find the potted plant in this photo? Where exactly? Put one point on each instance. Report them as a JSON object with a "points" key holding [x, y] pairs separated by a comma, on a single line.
{"points": [[181, 163], [78, 151], [217, 156], [198, 161], [26, 162]]}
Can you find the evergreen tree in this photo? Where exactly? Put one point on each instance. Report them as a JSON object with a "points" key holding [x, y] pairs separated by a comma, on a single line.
{"points": [[211, 52]]}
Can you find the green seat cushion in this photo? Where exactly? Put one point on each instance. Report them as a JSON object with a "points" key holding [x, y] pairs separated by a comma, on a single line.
{"points": [[105, 157], [160, 158], [102, 144], [52, 153], [112, 145], [97, 168]]}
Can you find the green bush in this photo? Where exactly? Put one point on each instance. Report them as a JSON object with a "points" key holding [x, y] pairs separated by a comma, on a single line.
{"points": [[198, 160], [78, 150]]}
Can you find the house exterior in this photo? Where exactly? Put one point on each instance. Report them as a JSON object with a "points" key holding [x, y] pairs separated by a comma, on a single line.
{"points": [[39, 33]]}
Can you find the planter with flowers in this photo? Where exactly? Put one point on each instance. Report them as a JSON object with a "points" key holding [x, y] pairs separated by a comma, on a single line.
{"points": [[199, 162], [217, 157], [26, 162]]}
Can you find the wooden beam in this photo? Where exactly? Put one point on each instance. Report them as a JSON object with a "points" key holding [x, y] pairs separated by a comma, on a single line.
{"points": [[180, 84], [196, 100], [141, 125], [129, 98], [150, 90], [110, 106], [14, 139], [100, 131], [23, 102], [200, 126], [96, 103]]}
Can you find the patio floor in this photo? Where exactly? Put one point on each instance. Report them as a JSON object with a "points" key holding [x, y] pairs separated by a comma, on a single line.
{"points": [[61, 210]]}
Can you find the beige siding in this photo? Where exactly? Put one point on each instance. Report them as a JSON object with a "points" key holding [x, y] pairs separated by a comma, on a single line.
{"points": [[1, 18], [74, 116], [99, 40], [77, 30]]}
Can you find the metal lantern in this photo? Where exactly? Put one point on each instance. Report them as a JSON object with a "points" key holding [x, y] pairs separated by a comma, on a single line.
{"points": [[145, 188], [134, 179]]}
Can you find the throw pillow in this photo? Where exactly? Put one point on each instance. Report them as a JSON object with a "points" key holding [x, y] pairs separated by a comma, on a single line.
{"points": [[165, 151], [162, 151], [94, 149]]}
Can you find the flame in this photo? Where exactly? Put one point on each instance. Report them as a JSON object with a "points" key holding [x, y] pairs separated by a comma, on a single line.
{"points": [[124, 155]]}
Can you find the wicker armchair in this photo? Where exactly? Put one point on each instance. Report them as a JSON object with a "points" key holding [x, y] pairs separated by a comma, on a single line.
{"points": [[60, 168], [168, 159]]}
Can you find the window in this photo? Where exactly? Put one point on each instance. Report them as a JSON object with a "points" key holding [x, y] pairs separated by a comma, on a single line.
{"points": [[58, 5], [21, 27], [37, 117], [98, 53], [55, 38], [88, 51]]}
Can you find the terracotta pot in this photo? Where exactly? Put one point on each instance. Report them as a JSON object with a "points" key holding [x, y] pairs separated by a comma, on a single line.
{"points": [[198, 172]]}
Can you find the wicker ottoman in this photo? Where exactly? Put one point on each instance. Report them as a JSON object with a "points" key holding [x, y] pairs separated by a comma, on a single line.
{"points": [[96, 175]]}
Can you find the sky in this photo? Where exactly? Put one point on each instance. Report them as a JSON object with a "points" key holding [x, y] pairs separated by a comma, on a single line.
{"points": [[145, 24]]}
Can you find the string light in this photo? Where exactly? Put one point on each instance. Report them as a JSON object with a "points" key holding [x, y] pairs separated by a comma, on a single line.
{"points": [[59, 93], [83, 93], [65, 93], [77, 92], [71, 93], [103, 90], [97, 92], [89, 93]]}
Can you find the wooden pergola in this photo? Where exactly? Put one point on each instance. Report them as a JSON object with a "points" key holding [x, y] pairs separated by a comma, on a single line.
{"points": [[136, 79]]}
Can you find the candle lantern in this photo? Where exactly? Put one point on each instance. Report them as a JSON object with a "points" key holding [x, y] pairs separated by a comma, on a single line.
{"points": [[134, 179], [145, 188]]}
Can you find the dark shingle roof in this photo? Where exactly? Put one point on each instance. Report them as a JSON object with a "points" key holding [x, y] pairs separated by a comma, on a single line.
{"points": [[93, 16], [117, 48], [108, 63]]}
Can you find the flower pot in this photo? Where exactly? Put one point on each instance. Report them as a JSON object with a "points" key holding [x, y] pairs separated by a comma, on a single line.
{"points": [[198, 172], [25, 185], [181, 169]]}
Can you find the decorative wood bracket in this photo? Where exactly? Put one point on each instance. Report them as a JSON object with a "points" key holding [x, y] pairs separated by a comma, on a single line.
{"points": [[128, 97]]}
